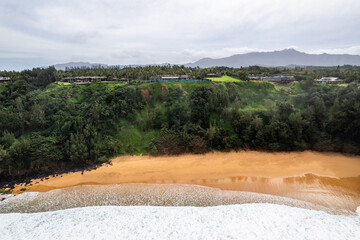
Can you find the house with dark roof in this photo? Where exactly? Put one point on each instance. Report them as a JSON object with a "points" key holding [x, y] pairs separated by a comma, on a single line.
{"points": [[87, 79], [212, 75], [4, 79]]}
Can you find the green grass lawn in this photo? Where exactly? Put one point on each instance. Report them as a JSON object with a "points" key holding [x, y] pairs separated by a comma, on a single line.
{"points": [[137, 139], [224, 79], [182, 84], [63, 83]]}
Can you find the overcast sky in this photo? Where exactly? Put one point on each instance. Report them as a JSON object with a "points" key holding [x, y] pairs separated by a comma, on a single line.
{"points": [[43, 32]]}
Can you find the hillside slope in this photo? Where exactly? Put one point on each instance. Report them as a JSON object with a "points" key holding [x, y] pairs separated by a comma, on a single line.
{"points": [[72, 125]]}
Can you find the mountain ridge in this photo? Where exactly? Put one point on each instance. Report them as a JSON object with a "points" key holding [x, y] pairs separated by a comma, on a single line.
{"points": [[279, 58]]}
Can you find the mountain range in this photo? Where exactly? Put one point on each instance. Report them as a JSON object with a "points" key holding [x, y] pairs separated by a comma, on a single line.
{"points": [[282, 58]]}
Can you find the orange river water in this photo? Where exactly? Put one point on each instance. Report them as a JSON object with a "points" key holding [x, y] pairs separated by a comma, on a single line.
{"points": [[327, 179]]}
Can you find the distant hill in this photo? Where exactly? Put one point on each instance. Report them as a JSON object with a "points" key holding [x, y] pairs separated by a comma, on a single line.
{"points": [[284, 57], [287, 57]]}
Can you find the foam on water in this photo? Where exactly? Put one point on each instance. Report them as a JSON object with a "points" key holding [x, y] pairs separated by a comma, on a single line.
{"points": [[144, 194], [246, 221]]}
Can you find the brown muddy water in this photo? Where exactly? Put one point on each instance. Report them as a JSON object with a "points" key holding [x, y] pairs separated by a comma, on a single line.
{"points": [[328, 181]]}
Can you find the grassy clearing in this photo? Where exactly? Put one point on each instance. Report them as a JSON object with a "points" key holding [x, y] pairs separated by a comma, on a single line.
{"points": [[134, 140], [224, 79], [63, 83], [186, 86], [343, 85]]}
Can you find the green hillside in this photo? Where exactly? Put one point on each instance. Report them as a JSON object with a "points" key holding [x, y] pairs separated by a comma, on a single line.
{"points": [[46, 125]]}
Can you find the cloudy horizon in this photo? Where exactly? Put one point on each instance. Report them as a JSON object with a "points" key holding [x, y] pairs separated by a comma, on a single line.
{"points": [[41, 33]]}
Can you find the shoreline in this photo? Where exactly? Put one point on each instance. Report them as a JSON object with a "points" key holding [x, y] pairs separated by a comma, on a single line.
{"points": [[329, 179], [165, 195]]}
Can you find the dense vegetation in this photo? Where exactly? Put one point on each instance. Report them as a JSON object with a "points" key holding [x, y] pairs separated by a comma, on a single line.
{"points": [[47, 125]]}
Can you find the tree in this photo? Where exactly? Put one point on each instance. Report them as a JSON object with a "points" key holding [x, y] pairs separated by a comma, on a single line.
{"points": [[77, 149]]}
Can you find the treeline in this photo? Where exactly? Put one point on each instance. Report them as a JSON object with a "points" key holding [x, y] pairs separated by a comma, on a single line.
{"points": [[42, 77], [215, 118], [46, 126], [57, 127]]}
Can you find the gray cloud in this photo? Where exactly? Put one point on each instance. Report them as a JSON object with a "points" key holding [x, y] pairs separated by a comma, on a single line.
{"points": [[176, 31]]}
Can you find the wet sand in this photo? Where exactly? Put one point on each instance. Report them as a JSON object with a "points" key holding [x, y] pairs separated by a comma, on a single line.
{"points": [[138, 194], [328, 179]]}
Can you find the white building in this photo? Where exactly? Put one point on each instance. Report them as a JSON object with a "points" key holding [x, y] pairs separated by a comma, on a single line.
{"points": [[329, 80], [4, 79], [169, 77]]}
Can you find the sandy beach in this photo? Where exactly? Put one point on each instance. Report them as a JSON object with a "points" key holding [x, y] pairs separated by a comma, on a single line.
{"points": [[328, 179]]}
